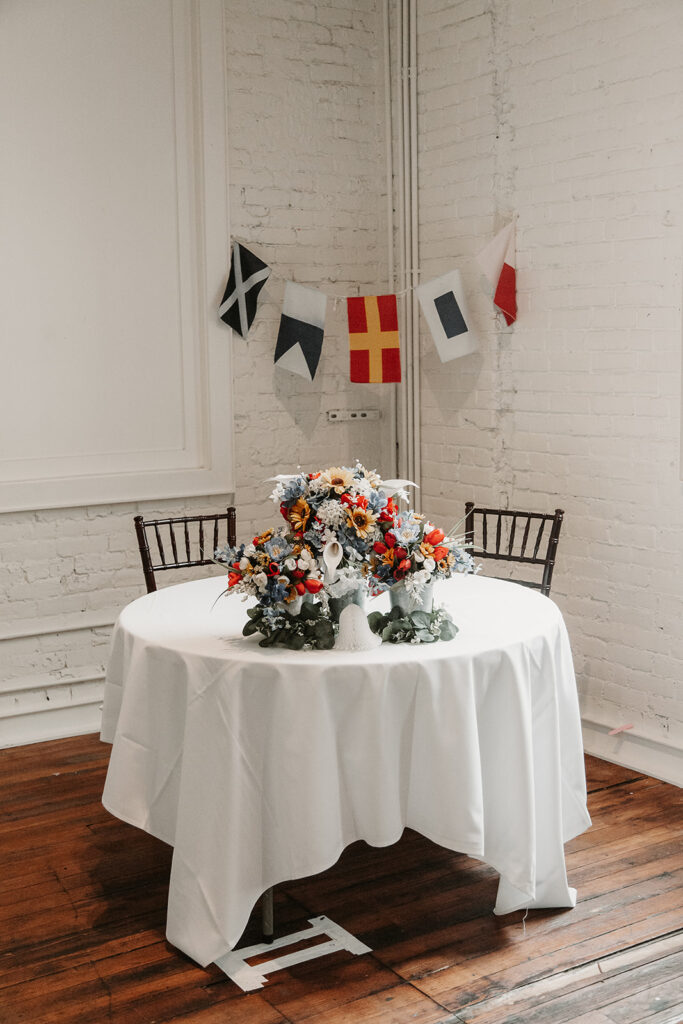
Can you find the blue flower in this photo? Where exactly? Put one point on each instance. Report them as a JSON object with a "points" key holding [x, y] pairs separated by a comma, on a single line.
{"points": [[278, 592], [294, 489], [277, 548], [408, 531], [377, 501]]}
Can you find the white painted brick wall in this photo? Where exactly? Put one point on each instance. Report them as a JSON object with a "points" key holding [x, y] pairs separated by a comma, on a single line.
{"points": [[306, 146], [572, 117]]}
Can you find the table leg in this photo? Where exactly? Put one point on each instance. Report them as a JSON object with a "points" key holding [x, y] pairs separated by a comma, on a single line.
{"points": [[267, 915]]}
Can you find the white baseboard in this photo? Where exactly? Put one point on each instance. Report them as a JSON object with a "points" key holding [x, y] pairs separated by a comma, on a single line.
{"points": [[651, 757], [55, 724]]}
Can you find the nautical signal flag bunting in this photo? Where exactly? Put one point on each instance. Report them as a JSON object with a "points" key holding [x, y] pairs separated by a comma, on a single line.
{"points": [[302, 328], [375, 355], [445, 310], [248, 274], [498, 262]]}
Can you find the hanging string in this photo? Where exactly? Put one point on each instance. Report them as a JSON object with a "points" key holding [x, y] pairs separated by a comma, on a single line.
{"points": [[526, 914], [336, 299]]}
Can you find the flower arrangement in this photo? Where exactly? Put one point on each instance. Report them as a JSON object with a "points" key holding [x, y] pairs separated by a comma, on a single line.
{"points": [[340, 503], [414, 552], [343, 536], [274, 568]]}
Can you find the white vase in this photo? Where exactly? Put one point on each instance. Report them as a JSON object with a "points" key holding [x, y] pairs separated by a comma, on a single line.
{"points": [[400, 598]]}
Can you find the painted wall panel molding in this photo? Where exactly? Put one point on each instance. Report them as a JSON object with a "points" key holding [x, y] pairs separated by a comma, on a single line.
{"points": [[118, 172]]}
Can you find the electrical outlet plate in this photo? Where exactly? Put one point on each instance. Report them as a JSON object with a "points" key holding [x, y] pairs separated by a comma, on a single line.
{"points": [[351, 415]]}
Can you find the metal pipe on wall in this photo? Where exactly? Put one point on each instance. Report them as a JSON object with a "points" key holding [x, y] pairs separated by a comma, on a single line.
{"points": [[403, 115], [391, 271], [414, 254]]}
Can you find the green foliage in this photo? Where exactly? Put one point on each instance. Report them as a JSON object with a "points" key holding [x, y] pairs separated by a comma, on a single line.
{"points": [[399, 627], [310, 628]]}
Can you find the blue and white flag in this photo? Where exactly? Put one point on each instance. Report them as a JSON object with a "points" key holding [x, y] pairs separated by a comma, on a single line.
{"points": [[248, 274], [445, 310], [302, 326]]}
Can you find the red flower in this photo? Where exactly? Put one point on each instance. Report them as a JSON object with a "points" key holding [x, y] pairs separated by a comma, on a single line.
{"points": [[235, 565], [346, 499], [388, 512], [404, 564], [400, 553], [273, 569], [298, 574], [434, 536], [379, 548], [284, 512], [439, 553], [313, 586], [300, 588], [233, 578], [389, 539]]}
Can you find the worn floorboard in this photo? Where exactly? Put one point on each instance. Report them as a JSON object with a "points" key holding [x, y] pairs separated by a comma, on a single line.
{"points": [[83, 898]]}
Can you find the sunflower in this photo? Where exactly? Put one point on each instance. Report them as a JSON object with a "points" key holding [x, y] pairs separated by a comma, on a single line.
{"points": [[299, 514], [362, 520], [337, 479]]}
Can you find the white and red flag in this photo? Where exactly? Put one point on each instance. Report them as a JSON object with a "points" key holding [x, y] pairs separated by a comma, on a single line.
{"points": [[497, 261]]}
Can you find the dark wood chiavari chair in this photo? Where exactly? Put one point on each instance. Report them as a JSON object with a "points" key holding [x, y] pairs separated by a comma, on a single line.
{"points": [[523, 537], [182, 542]]}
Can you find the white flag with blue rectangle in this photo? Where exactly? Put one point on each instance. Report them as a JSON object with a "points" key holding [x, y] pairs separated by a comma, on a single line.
{"points": [[445, 310]]}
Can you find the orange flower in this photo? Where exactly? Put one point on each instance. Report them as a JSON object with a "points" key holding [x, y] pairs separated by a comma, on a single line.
{"points": [[434, 536], [313, 586], [427, 550], [299, 514], [440, 552]]}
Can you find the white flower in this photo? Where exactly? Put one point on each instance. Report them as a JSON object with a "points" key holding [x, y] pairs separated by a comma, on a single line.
{"points": [[244, 562], [416, 582], [250, 549], [331, 513], [278, 493], [290, 563], [261, 581], [429, 565]]}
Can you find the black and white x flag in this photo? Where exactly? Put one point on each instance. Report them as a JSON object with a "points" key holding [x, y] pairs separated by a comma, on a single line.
{"points": [[300, 338], [248, 274], [445, 310]]}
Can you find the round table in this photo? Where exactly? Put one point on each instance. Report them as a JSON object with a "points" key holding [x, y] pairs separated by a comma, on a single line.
{"points": [[260, 765]]}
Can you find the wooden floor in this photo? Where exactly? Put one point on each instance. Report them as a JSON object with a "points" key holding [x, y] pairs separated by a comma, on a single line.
{"points": [[82, 908]]}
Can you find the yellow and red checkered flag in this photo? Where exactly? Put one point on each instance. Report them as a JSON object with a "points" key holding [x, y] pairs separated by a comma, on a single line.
{"points": [[373, 339]]}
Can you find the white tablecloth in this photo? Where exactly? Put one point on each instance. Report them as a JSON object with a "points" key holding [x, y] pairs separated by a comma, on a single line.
{"points": [[261, 765]]}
